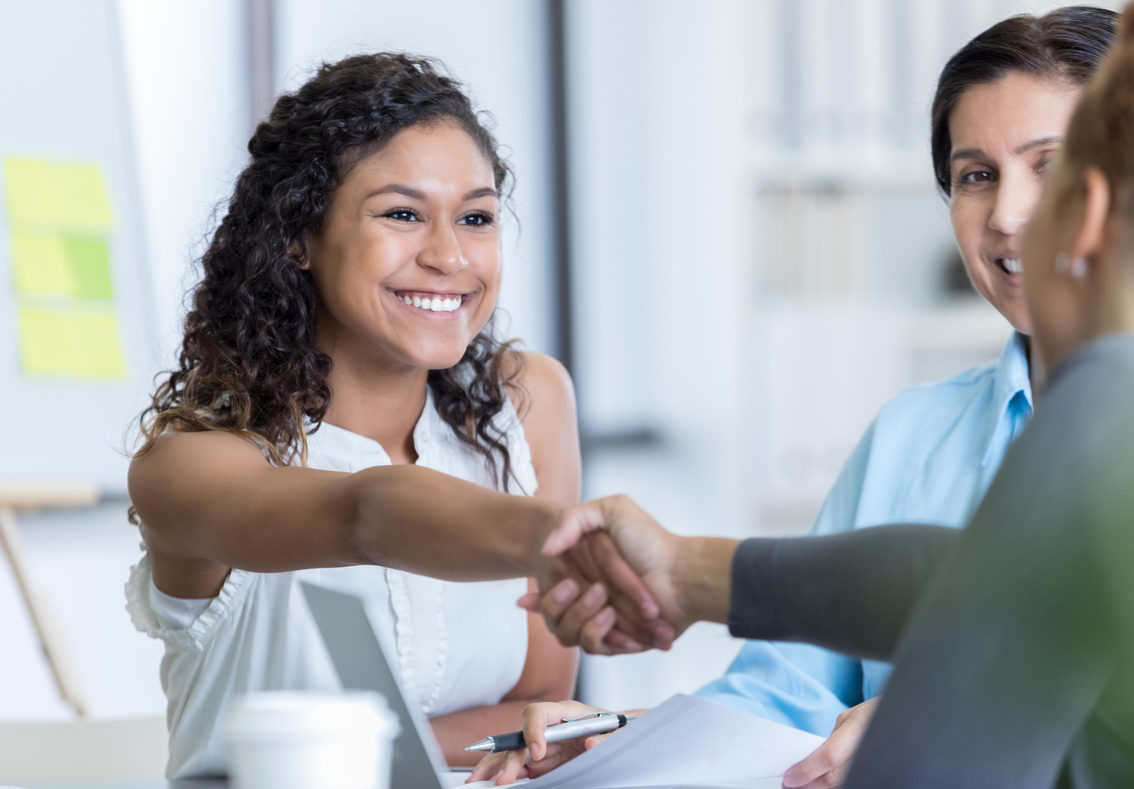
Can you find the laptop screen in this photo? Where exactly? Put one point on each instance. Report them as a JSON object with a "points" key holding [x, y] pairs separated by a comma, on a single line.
{"points": [[353, 645]]}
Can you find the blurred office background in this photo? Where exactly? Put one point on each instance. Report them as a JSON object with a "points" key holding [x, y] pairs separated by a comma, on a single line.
{"points": [[728, 228]]}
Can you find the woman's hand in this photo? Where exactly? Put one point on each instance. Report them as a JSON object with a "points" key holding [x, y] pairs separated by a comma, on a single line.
{"points": [[827, 765], [507, 766]]}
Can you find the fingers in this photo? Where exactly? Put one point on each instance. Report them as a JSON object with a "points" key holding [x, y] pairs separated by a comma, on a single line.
{"points": [[586, 621], [538, 716], [574, 608], [577, 521], [529, 601], [598, 636], [595, 739], [513, 767], [504, 767], [597, 558], [828, 764], [621, 577], [507, 767], [817, 771]]}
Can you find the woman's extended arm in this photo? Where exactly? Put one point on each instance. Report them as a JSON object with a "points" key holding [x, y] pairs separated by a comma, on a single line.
{"points": [[210, 501]]}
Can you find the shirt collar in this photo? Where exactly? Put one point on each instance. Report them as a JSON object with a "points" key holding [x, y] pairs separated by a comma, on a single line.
{"points": [[1012, 374], [1012, 392]]}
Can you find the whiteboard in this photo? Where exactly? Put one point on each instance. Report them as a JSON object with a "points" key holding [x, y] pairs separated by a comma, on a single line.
{"points": [[65, 110]]}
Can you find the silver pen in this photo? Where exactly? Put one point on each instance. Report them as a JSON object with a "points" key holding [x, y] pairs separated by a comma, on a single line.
{"points": [[569, 729]]}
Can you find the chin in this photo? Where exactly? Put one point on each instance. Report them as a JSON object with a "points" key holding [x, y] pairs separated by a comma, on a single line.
{"points": [[443, 361], [1017, 315]]}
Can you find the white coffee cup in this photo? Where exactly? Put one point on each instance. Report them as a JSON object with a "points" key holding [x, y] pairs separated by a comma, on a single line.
{"points": [[310, 740]]}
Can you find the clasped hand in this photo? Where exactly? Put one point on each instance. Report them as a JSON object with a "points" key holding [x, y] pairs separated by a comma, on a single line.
{"points": [[609, 585]]}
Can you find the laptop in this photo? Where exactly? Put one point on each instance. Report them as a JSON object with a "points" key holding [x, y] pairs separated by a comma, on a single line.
{"points": [[353, 645]]}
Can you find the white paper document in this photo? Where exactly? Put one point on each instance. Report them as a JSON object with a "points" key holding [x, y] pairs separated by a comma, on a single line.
{"points": [[688, 742]]}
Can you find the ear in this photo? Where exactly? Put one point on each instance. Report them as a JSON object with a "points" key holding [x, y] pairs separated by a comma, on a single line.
{"points": [[1090, 240], [298, 254]]}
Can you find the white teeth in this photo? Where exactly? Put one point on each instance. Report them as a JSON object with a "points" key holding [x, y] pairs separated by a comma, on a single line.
{"points": [[1012, 265], [435, 304]]}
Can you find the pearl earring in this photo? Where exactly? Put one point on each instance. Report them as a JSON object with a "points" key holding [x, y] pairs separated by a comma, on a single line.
{"points": [[1076, 267]]}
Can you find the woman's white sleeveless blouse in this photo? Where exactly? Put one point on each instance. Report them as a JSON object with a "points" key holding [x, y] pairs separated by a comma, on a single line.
{"points": [[457, 645]]}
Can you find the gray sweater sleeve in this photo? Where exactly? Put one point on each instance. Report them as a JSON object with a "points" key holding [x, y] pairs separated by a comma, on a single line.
{"points": [[852, 592]]}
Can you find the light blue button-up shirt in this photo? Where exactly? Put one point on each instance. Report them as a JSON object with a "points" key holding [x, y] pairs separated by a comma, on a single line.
{"points": [[928, 458]]}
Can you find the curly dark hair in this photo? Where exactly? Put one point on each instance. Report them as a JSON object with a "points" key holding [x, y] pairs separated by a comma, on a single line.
{"points": [[249, 363], [1067, 43]]}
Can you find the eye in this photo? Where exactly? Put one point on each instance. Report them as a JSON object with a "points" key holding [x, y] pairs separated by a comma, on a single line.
{"points": [[402, 215], [477, 219], [972, 178]]}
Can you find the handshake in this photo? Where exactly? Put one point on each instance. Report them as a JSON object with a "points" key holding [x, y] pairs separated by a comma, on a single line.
{"points": [[613, 581]]}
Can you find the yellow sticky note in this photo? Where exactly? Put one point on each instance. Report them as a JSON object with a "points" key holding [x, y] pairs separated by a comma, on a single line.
{"points": [[80, 196], [28, 191], [40, 263], [80, 343], [41, 193]]}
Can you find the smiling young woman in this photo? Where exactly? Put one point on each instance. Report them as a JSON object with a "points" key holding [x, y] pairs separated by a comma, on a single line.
{"points": [[341, 412]]}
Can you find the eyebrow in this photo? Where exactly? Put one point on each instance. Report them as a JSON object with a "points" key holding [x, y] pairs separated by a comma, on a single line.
{"points": [[1031, 145], [417, 194]]}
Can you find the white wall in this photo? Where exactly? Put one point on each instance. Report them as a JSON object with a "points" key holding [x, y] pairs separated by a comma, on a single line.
{"points": [[187, 71]]}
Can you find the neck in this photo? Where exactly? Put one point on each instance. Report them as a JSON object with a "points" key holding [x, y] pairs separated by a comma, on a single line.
{"points": [[384, 406], [1111, 310], [1107, 308]]}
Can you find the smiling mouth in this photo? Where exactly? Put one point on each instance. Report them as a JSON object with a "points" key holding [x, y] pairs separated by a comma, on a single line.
{"points": [[431, 302], [1009, 265]]}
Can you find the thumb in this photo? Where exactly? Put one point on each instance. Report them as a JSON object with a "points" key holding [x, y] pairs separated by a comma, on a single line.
{"points": [[529, 601], [576, 522]]}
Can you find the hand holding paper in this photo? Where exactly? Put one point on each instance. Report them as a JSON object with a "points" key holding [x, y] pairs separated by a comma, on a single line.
{"points": [[686, 741]]}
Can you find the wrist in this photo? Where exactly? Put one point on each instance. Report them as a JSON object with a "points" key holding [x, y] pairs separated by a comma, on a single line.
{"points": [[702, 577], [529, 522]]}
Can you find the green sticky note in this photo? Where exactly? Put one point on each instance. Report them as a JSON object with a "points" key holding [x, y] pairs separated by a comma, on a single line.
{"points": [[52, 265], [42, 193], [89, 263], [28, 191], [42, 265], [71, 343]]}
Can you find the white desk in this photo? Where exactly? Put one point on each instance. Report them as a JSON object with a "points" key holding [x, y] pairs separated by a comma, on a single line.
{"points": [[767, 783]]}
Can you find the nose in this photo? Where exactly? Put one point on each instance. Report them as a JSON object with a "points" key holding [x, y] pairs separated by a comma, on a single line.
{"points": [[442, 251], [1015, 200]]}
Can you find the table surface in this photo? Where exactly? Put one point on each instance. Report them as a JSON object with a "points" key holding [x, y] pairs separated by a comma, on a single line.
{"points": [[456, 779], [137, 783]]}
